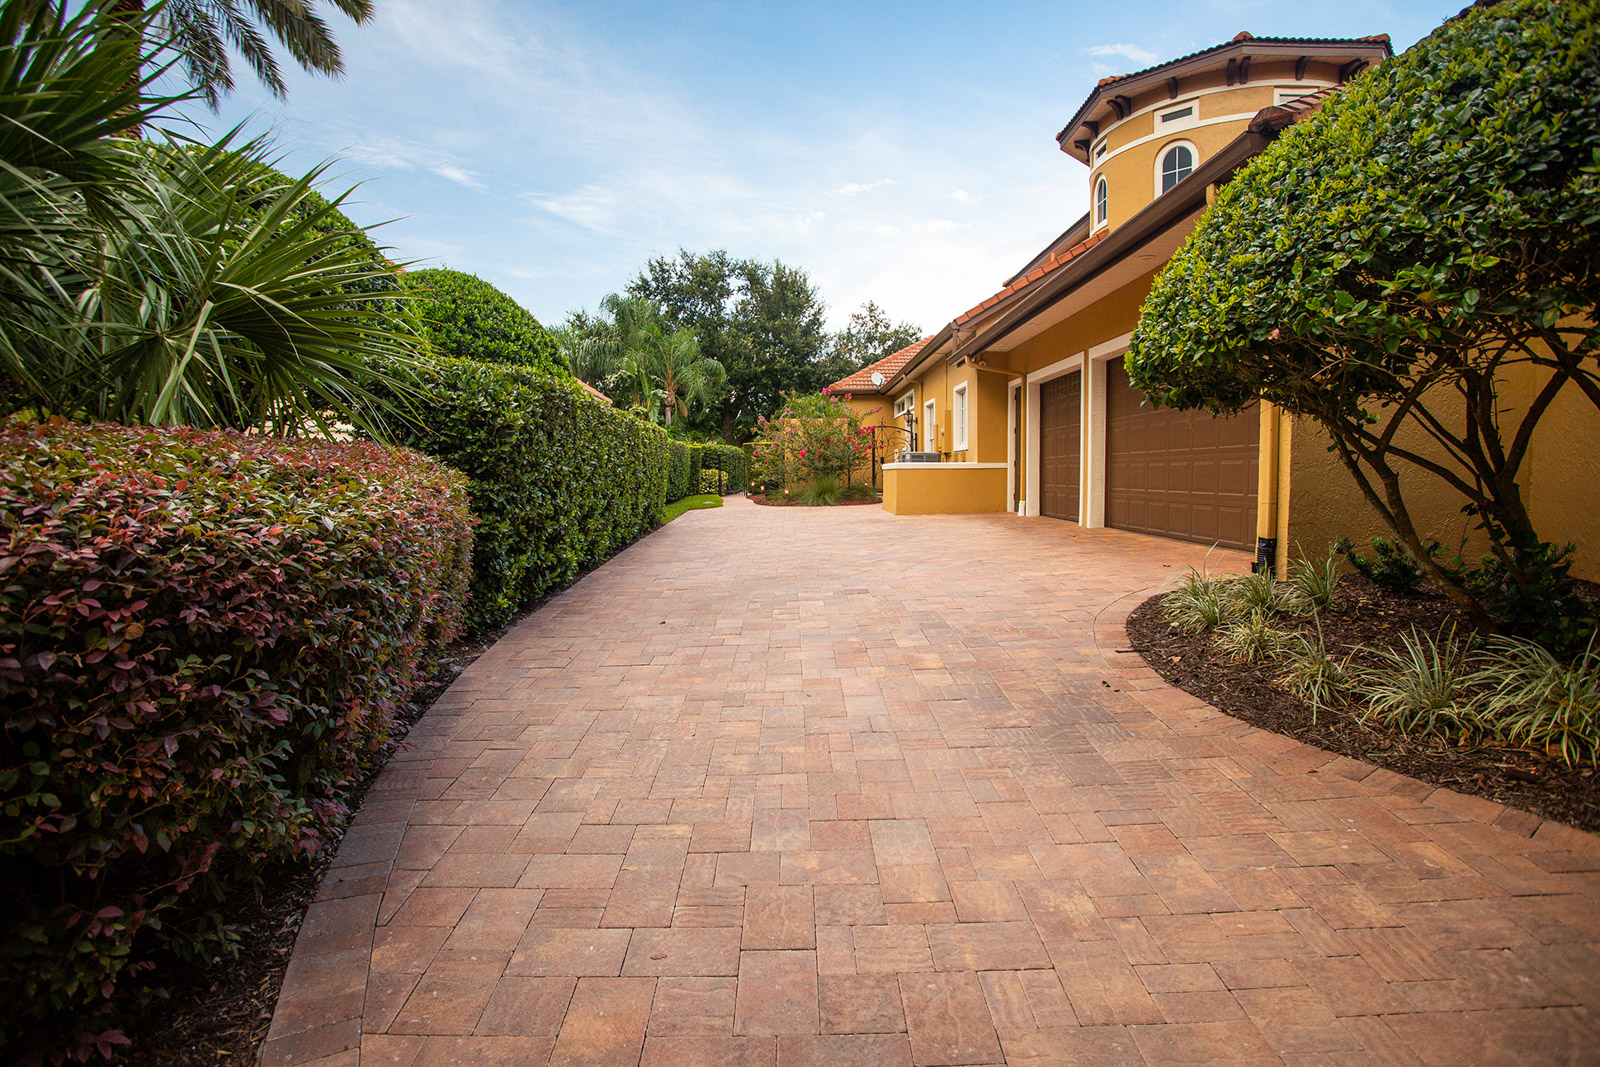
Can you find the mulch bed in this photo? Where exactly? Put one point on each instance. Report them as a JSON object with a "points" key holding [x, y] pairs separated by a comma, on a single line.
{"points": [[1368, 616], [787, 502]]}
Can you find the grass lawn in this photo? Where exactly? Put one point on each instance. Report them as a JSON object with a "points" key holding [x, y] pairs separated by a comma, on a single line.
{"points": [[689, 503]]}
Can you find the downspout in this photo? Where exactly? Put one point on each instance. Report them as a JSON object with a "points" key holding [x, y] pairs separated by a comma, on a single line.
{"points": [[1267, 491]]}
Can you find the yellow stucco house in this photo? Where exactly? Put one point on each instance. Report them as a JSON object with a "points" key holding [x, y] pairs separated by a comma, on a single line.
{"points": [[1021, 403]]}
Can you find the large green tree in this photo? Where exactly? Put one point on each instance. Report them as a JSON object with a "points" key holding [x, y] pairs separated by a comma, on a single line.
{"points": [[202, 31], [762, 322], [870, 336], [1384, 264]]}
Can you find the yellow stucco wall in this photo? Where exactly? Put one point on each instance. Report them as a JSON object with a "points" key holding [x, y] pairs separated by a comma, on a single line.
{"points": [[1560, 483], [943, 489]]}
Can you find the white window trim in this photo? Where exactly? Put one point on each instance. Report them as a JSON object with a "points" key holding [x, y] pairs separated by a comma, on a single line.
{"points": [[960, 411], [1186, 122], [906, 401], [930, 429], [1101, 217], [1161, 156]]}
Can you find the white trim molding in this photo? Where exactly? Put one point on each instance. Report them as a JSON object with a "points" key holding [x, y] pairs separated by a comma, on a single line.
{"points": [[960, 412], [943, 466]]}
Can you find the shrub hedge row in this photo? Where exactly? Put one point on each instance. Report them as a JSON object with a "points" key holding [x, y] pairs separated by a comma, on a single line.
{"points": [[687, 465], [203, 638], [558, 479]]}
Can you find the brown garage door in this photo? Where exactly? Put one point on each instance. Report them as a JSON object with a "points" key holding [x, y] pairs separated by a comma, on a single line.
{"points": [[1179, 474], [1059, 420]]}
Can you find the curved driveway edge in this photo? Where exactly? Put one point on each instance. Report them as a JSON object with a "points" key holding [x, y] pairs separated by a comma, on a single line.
{"points": [[785, 786]]}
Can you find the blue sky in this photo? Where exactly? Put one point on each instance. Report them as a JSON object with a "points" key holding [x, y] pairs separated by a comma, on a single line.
{"points": [[900, 152]]}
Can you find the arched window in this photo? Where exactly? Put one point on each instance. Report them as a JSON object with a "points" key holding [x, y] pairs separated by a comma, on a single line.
{"points": [[1177, 163], [1101, 202]]}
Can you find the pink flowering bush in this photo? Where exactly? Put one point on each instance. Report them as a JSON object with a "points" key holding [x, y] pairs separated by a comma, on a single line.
{"points": [[811, 439]]}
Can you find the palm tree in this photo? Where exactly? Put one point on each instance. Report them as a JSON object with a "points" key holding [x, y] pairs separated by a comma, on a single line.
{"points": [[202, 30], [678, 375]]}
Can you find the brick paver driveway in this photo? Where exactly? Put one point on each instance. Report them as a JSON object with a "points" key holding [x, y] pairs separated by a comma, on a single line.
{"points": [[828, 787]]}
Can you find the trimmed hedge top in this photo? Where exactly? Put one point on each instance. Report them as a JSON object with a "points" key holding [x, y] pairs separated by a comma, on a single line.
{"points": [[467, 318]]}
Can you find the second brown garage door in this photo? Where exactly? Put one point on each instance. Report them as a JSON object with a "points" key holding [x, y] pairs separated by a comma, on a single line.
{"points": [[1179, 474]]}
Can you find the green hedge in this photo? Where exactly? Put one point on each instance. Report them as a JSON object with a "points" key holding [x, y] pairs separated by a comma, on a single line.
{"points": [[558, 479], [204, 638], [467, 318], [732, 461], [679, 454]]}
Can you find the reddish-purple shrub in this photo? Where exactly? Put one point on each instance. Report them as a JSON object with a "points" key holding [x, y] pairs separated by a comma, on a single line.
{"points": [[203, 638]]}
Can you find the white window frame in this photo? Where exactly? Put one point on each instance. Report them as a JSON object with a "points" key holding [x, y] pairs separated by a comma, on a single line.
{"points": [[906, 401], [930, 428], [1161, 159], [1183, 122], [959, 409], [1102, 201]]}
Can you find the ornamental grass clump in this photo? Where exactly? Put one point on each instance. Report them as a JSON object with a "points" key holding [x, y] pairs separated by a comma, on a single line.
{"points": [[1425, 686], [1535, 699], [205, 639], [1251, 639], [1196, 605], [1312, 673], [1254, 592], [1312, 584]]}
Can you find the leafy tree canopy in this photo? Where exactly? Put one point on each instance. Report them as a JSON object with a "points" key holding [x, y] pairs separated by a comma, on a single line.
{"points": [[1387, 258], [869, 337], [762, 322], [467, 318]]}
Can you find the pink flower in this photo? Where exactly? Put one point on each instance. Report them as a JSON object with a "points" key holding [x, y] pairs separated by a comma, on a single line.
{"points": [[826, 390], [802, 453]]}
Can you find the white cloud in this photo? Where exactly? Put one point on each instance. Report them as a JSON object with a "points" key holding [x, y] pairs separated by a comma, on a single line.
{"points": [[852, 188], [1142, 56], [961, 196]]}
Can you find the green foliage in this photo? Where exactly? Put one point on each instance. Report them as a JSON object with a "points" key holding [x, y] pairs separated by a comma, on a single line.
{"points": [[197, 28], [731, 461], [1537, 597], [1257, 591], [1196, 605], [558, 480], [690, 503], [1252, 638], [1392, 566], [822, 491], [1536, 699], [682, 469], [869, 337], [1312, 673], [204, 638], [465, 317], [1313, 583], [810, 438], [1424, 686], [859, 491], [1388, 258], [761, 322], [148, 280]]}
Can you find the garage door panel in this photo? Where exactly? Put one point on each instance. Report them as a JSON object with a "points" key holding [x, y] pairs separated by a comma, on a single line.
{"points": [[1177, 473], [1060, 421]]}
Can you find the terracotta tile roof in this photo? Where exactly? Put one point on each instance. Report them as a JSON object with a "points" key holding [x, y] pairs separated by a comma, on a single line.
{"points": [[888, 366], [1055, 261], [1246, 35], [592, 390]]}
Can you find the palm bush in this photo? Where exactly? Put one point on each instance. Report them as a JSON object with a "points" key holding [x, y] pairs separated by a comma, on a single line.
{"points": [[1533, 698], [1195, 606], [157, 281], [1251, 639], [1424, 685]]}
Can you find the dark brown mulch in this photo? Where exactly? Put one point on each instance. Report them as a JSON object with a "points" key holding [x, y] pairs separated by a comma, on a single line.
{"points": [[787, 502], [1366, 615]]}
